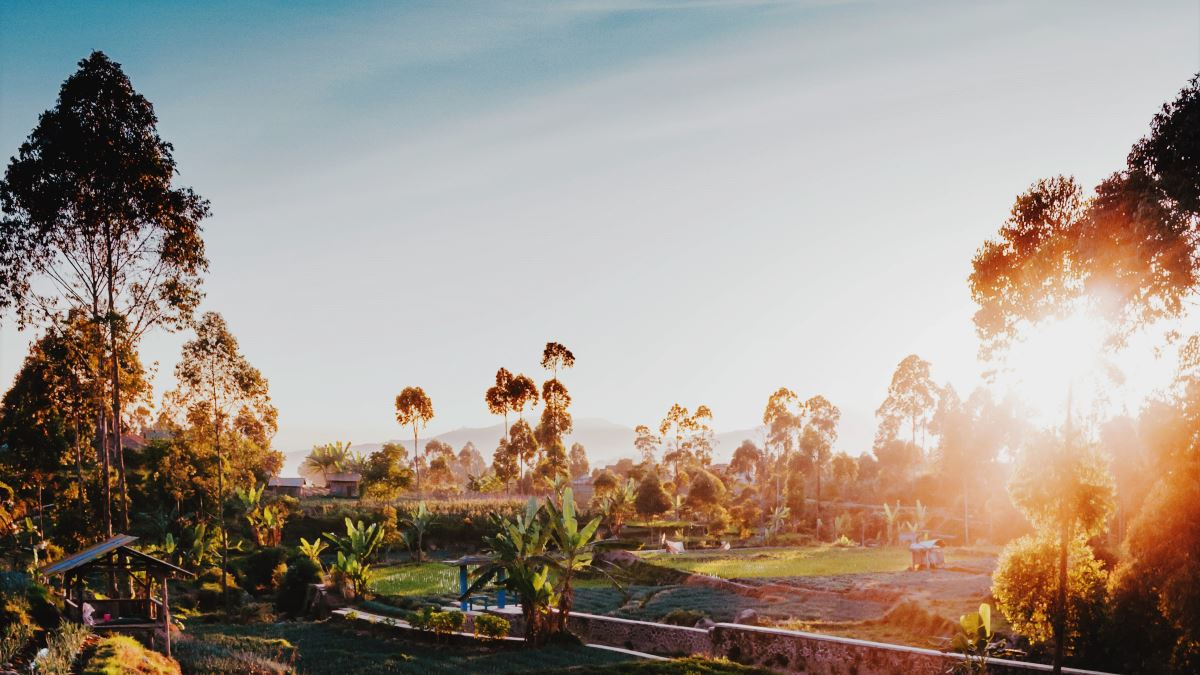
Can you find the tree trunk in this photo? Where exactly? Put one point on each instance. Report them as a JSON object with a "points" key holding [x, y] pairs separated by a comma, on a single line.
{"points": [[1060, 613], [79, 471], [966, 515], [416, 458], [221, 509], [115, 360], [105, 478]]}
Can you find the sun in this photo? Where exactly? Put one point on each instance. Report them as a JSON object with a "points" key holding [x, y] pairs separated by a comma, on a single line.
{"points": [[1060, 358]]}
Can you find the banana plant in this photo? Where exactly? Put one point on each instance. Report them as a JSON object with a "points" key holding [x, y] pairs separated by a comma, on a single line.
{"points": [[519, 564], [417, 524], [574, 553], [974, 641], [776, 521], [312, 549], [355, 571], [890, 516], [361, 541]]}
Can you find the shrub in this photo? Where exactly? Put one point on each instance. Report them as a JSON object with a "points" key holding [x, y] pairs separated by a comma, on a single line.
{"points": [[444, 623], [209, 595], [684, 617], [1025, 584], [13, 640], [293, 588], [844, 542], [258, 569], [491, 627], [62, 649], [122, 654]]}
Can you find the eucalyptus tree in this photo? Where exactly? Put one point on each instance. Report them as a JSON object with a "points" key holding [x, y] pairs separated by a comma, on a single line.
{"points": [[497, 397], [413, 408], [579, 460], [646, 443], [783, 417], [93, 223], [819, 435], [912, 396], [216, 381], [555, 356]]}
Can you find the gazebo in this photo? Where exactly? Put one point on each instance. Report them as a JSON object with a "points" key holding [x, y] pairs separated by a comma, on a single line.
{"points": [[474, 561], [116, 560]]}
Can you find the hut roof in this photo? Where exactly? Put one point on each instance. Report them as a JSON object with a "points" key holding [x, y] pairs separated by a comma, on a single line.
{"points": [[94, 553]]}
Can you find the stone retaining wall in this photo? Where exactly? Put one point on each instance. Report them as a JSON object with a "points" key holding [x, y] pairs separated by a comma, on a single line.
{"points": [[782, 650]]}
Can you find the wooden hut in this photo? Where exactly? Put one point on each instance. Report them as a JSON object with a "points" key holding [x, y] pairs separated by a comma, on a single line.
{"points": [[119, 567], [343, 484], [927, 554]]}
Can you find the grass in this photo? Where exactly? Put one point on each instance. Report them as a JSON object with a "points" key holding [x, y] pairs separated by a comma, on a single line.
{"points": [[800, 561], [429, 578], [121, 654], [332, 647]]}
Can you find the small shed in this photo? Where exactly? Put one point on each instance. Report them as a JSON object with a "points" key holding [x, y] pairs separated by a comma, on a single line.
{"points": [[343, 484], [293, 487], [928, 554], [128, 572]]}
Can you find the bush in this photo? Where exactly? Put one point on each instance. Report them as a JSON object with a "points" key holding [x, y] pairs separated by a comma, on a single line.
{"points": [[684, 617], [13, 640], [122, 654], [1025, 584], [491, 627], [444, 623], [209, 595], [62, 649], [24, 601], [258, 569], [293, 588]]}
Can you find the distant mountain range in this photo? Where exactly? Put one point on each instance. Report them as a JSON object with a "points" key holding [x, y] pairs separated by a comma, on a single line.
{"points": [[605, 441]]}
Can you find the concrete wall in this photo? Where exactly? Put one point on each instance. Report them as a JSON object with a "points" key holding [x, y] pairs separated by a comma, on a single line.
{"points": [[781, 650]]}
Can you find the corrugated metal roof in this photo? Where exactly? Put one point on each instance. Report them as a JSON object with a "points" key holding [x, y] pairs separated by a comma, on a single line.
{"points": [[287, 482], [102, 549], [346, 477], [87, 555]]}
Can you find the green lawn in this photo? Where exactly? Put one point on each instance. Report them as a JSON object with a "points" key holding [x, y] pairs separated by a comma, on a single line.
{"points": [[332, 647], [801, 561]]}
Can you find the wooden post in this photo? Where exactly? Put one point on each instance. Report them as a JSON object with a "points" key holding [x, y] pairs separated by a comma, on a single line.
{"points": [[166, 614], [462, 585]]}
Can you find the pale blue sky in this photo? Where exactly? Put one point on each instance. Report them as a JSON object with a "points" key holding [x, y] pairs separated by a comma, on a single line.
{"points": [[705, 201]]}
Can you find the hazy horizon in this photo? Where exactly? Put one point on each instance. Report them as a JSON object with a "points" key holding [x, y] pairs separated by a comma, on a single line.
{"points": [[403, 196]]}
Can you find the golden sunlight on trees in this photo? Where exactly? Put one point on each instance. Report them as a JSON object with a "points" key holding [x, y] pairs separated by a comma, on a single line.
{"points": [[413, 408], [912, 398], [90, 210], [221, 394]]}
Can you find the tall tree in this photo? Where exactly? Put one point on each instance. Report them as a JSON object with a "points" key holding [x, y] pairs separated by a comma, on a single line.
{"points": [[579, 461], [556, 356], [90, 209], [413, 408], [556, 420], [819, 435], [646, 443], [498, 397], [912, 396], [215, 382], [784, 419]]}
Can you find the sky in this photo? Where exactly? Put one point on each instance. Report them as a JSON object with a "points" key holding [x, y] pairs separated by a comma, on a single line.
{"points": [[705, 200]]}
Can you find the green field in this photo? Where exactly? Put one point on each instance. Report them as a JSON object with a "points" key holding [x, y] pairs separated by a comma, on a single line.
{"points": [[429, 578], [801, 561]]}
